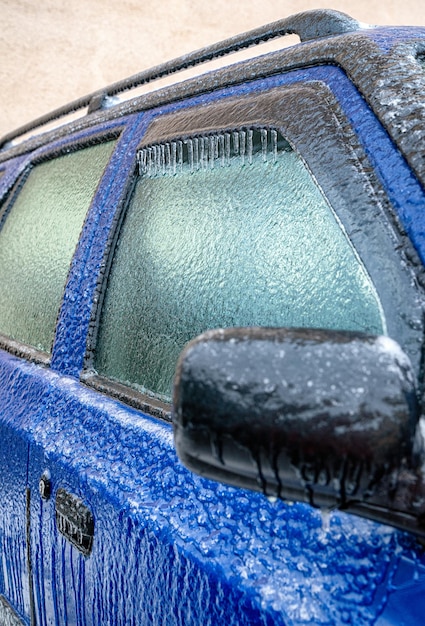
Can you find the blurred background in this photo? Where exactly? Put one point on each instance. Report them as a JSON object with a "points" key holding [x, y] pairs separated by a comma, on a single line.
{"points": [[54, 51]]}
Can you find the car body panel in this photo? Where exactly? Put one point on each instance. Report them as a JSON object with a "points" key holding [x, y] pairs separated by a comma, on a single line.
{"points": [[192, 532], [14, 576]]}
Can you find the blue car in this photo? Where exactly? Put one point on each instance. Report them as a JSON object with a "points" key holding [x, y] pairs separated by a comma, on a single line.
{"points": [[272, 214]]}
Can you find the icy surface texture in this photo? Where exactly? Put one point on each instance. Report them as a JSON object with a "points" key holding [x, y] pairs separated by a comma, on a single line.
{"points": [[174, 549], [38, 239], [171, 548], [225, 231], [13, 463]]}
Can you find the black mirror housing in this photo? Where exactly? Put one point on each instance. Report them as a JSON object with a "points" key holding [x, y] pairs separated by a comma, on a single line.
{"points": [[321, 416]]}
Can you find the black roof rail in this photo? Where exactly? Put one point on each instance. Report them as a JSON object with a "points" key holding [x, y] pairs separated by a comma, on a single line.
{"points": [[308, 25]]}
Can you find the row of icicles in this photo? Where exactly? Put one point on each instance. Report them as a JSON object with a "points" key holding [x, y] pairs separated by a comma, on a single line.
{"points": [[208, 151]]}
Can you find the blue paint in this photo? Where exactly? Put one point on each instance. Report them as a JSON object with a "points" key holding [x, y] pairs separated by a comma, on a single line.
{"points": [[389, 37], [170, 547], [169, 530]]}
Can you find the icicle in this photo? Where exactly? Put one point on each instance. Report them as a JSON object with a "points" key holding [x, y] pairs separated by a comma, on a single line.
{"points": [[274, 145], [163, 170], [220, 149], [250, 146], [149, 170], [142, 161], [227, 147], [264, 134], [216, 151], [202, 153], [152, 151], [212, 141], [236, 143], [153, 162], [180, 155], [326, 520], [156, 160], [168, 158], [242, 145], [196, 153], [149, 162], [189, 144], [145, 161], [173, 160]]}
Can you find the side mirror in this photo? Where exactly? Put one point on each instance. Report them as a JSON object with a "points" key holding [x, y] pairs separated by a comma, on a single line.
{"points": [[320, 416]]}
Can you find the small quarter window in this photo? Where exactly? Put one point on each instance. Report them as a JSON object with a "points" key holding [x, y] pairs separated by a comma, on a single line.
{"points": [[224, 230], [38, 238]]}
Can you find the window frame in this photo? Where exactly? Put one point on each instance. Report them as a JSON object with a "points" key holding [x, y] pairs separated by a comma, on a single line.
{"points": [[303, 100]]}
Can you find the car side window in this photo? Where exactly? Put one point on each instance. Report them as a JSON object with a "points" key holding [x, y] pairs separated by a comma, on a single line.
{"points": [[228, 229], [39, 231]]}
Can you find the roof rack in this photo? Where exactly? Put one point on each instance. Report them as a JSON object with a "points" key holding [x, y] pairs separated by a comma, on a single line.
{"points": [[308, 25]]}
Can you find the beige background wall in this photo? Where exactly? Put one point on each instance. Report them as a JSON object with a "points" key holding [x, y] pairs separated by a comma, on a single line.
{"points": [[53, 51]]}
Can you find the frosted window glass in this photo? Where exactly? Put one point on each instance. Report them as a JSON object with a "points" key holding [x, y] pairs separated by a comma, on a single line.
{"points": [[38, 239], [224, 243]]}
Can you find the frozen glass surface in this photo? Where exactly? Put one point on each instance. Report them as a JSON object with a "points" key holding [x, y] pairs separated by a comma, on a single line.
{"points": [[38, 239], [233, 241]]}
